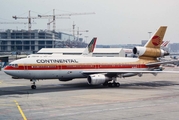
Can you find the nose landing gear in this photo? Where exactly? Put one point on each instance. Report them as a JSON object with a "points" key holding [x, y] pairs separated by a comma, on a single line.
{"points": [[33, 86]]}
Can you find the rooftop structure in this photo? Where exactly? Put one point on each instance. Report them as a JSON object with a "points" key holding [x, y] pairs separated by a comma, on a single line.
{"points": [[33, 41], [98, 52]]}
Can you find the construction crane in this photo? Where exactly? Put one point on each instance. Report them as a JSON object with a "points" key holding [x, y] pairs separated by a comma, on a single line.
{"points": [[30, 18], [15, 23], [48, 24], [54, 16], [77, 31]]}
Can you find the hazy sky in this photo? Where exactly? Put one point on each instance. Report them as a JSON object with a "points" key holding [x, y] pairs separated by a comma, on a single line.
{"points": [[115, 21]]}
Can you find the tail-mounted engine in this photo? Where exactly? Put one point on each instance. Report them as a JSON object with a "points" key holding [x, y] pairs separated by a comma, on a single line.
{"points": [[97, 79], [149, 52]]}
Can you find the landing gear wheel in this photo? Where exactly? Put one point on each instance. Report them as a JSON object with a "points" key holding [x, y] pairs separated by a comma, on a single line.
{"points": [[109, 84], [105, 84], [33, 86], [113, 84], [117, 84]]}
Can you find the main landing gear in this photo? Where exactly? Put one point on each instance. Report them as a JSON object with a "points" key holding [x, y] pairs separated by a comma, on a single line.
{"points": [[33, 86], [112, 84], [116, 84]]}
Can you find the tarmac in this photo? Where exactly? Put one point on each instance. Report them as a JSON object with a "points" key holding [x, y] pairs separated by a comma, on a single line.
{"points": [[148, 97]]}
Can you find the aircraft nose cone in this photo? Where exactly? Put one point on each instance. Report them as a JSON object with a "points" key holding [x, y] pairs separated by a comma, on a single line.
{"points": [[6, 70]]}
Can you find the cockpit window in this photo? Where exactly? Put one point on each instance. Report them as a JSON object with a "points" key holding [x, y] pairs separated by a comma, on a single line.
{"points": [[13, 65]]}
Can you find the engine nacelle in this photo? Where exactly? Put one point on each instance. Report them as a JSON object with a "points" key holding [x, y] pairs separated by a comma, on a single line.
{"points": [[97, 79], [149, 52]]}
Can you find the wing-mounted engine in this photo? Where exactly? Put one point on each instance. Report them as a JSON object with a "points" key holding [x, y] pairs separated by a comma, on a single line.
{"points": [[97, 79], [149, 52]]}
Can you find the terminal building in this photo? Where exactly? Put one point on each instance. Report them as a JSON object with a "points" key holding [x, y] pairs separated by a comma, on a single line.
{"points": [[32, 41], [98, 52]]}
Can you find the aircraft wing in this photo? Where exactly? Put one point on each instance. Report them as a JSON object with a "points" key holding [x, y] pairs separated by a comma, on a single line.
{"points": [[119, 72], [163, 62], [124, 71]]}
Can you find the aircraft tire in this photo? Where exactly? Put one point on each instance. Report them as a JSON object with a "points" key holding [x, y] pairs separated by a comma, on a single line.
{"points": [[117, 84], [109, 84], [33, 86], [113, 84], [105, 84]]}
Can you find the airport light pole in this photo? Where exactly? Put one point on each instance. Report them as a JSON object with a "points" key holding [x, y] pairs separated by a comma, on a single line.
{"points": [[53, 40], [86, 39], [150, 34]]}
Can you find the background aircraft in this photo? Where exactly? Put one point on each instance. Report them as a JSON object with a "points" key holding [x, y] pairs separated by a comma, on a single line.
{"points": [[87, 52]]}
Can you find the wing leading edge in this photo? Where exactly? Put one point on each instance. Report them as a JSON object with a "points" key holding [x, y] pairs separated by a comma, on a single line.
{"points": [[124, 72]]}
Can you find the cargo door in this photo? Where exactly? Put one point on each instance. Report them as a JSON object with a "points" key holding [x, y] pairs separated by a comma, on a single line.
{"points": [[96, 66], [26, 70], [25, 67]]}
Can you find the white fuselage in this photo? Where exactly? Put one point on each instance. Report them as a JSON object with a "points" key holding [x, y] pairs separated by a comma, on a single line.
{"points": [[65, 68]]}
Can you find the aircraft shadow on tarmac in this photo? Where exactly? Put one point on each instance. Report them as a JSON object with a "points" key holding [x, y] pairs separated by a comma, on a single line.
{"points": [[80, 86], [148, 85]]}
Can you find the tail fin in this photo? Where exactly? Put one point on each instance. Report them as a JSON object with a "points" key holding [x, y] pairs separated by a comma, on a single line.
{"points": [[157, 38], [152, 49], [90, 48], [165, 43]]}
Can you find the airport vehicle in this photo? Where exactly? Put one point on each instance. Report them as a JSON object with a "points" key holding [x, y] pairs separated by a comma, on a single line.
{"points": [[87, 52], [97, 70]]}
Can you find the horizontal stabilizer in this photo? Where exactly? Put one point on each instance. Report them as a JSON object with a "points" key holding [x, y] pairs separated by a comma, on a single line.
{"points": [[163, 62]]}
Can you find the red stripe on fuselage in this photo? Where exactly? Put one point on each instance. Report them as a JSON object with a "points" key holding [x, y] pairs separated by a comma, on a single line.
{"points": [[73, 66]]}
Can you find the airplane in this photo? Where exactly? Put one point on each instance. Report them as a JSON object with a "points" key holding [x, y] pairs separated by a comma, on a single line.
{"points": [[87, 52], [97, 70], [165, 44]]}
